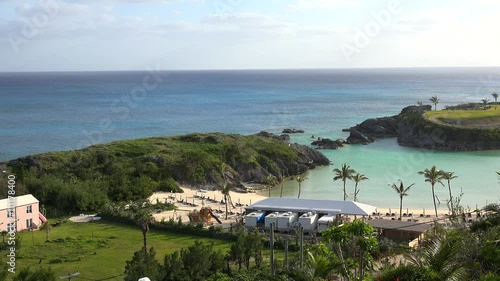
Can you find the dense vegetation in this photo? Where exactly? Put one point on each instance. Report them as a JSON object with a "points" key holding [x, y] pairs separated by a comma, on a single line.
{"points": [[85, 180]]}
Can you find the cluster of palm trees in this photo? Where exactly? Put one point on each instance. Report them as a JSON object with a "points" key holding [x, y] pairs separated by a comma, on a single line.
{"points": [[495, 96], [435, 101], [347, 173], [432, 176]]}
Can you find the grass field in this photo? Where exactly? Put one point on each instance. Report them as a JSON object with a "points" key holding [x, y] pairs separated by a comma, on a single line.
{"points": [[466, 118], [98, 250]]}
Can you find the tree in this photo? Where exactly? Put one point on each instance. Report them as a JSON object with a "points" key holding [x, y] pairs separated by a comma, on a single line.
{"points": [[300, 179], [143, 219], [196, 262], [435, 101], [144, 264], [225, 187], [420, 103], [440, 256], [495, 96], [282, 183], [357, 178], [448, 176], [272, 181], [344, 173], [402, 192], [39, 274], [433, 176], [485, 103], [355, 236]]}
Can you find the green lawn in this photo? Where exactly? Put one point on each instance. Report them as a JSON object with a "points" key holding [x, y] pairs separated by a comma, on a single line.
{"points": [[465, 118], [98, 257]]}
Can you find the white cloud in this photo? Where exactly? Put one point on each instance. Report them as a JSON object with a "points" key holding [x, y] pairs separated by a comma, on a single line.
{"points": [[322, 4]]}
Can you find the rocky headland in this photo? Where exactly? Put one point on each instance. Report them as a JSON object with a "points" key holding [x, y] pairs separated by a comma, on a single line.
{"points": [[412, 129]]}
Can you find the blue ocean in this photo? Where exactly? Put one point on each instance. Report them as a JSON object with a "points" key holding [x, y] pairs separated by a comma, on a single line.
{"points": [[52, 111]]}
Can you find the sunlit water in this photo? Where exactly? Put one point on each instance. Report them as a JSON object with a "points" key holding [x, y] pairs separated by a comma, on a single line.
{"points": [[42, 112]]}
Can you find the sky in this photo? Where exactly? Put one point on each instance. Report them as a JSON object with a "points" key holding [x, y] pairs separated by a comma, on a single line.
{"points": [[70, 35]]}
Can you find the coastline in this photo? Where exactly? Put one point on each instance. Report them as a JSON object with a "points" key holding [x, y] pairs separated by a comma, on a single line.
{"points": [[199, 197], [195, 196]]}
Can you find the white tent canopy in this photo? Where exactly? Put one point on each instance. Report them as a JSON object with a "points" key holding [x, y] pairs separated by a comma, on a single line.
{"points": [[312, 205]]}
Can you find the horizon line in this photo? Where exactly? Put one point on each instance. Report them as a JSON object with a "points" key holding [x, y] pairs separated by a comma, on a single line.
{"points": [[253, 69]]}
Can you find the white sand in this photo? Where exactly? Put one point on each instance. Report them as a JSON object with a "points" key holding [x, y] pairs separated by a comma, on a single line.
{"points": [[245, 199], [191, 195]]}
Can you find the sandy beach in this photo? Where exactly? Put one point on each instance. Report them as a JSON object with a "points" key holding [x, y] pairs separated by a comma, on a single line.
{"points": [[195, 199], [203, 198]]}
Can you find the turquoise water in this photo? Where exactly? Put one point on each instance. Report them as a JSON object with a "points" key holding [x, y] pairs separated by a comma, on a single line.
{"points": [[385, 162], [42, 112]]}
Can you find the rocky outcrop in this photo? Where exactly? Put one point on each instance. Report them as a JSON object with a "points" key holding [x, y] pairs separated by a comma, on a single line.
{"points": [[355, 137], [325, 143], [292, 131], [283, 137], [412, 129]]}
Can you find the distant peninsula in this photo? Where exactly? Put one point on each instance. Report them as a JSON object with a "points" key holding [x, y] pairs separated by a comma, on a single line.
{"points": [[121, 171], [464, 127]]}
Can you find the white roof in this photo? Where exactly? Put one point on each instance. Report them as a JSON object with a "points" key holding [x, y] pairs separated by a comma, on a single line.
{"points": [[18, 201], [308, 205]]}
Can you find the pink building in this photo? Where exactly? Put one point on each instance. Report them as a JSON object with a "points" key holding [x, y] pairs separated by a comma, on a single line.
{"points": [[20, 213]]}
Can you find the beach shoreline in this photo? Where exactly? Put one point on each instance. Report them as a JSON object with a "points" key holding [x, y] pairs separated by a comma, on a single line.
{"points": [[195, 199]]}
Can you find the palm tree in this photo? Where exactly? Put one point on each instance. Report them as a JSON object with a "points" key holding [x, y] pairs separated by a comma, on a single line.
{"points": [[271, 181], [485, 103], [402, 192], [282, 183], [433, 176], [420, 103], [143, 219], [495, 96], [300, 179], [357, 178], [225, 186], [440, 256], [435, 101], [448, 176], [344, 173]]}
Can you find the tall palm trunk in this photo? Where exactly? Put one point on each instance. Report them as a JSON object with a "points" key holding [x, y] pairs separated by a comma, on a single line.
{"points": [[225, 199], [281, 191], [451, 200], [145, 240], [400, 206], [356, 192], [299, 191], [345, 195], [434, 199]]}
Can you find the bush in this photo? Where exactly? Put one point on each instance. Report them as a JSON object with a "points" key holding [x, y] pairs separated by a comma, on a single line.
{"points": [[410, 273], [169, 185]]}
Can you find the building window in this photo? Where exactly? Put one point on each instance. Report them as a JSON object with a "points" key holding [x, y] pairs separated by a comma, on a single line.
{"points": [[29, 209], [10, 213], [11, 227], [29, 223]]}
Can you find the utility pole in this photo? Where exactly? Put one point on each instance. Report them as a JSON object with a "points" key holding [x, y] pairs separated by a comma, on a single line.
{"points": [[286, 253], [271, 245], [301, 253], [69, 275]]}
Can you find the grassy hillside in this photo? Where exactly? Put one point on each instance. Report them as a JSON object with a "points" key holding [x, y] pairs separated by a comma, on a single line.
{"points": [[98, 250], [85, 180], [466, 118]]}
